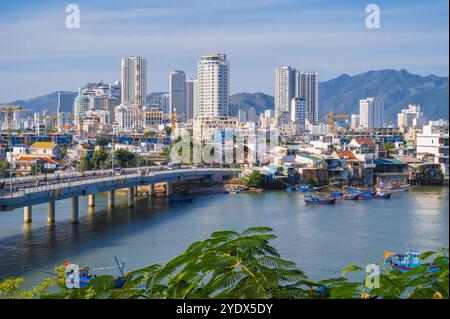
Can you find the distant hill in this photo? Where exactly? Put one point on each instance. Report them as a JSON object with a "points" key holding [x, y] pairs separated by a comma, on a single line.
{"points": [[396, 88], [245, 101]]}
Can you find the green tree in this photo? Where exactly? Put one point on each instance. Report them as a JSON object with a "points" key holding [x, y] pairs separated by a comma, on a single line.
{"points": [[102, 141], [150, 134], [99, 158], [84, 164], [254, 179], [124, 158], [4, 168]]}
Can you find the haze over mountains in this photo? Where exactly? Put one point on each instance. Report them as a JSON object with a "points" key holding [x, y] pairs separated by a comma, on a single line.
{"points": [[342, 95]]}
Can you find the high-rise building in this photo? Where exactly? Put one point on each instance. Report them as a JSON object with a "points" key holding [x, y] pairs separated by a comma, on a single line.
{"points": [[177, 91], [191, 86], [134, 81], [284, 89], [251, 115], [64, 107], [307, 88], [164, 103], [298, 112], [212, 86], [371, 113]]}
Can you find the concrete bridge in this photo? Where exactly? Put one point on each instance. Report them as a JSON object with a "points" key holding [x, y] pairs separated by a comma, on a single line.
{"points": [[22, 192]]}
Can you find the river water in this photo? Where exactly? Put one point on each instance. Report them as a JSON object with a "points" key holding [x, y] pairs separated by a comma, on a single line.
{"points": [[320, 239]]}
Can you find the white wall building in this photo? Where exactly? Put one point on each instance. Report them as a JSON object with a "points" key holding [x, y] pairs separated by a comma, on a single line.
{"points": [[410, 117], [177, 94], [213, 84], [129, 117], [134, 81], [434, 140], [354, 121], [284, 89], [371, 113], [298, 112]]}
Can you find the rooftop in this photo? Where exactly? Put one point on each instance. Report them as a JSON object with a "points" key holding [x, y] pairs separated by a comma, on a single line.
{"points": [[44, 145]]}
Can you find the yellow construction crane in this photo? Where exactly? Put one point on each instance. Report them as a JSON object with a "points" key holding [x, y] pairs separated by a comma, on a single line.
{"points": [[331, 117], [9, 110]]}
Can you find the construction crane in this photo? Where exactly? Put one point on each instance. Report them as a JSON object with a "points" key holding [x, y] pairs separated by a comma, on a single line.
{"points": [[331, 117], [9, 111]]}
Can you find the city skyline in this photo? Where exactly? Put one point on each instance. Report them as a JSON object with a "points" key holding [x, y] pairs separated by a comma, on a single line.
{"points": [[32, 65]]}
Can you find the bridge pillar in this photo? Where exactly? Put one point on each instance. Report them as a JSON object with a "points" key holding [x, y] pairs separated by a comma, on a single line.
{"points": [[91, 200], [27, 212], [111, 199], [168, 189], [135, 191], [74, 211], [51, 213], [130, 197], [151, 190]]}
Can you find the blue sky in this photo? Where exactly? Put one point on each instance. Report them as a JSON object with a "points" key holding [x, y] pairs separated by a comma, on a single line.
{"points": [[38, 54]]}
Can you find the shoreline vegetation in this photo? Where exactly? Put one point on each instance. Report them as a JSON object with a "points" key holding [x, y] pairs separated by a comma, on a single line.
{"points": [[242, 265]]}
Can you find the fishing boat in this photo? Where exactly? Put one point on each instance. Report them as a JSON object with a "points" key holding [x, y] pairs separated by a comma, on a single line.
{"points": [[80, 277], [349, 196], [392, 187], [354, 190], [309, 188], [405, 262], [180, 198], [375, 196], [314, 199]]}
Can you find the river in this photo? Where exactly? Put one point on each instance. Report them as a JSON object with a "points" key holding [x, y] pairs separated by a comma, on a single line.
{"points": [[320, 239]]}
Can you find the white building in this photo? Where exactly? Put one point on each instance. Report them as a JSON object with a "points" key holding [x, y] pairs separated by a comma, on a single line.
{"points": [[134, 81], [410, 117], [371, 113], [307, 88], [354, 121], [298, 112], [191, 87], [284, 89], [164, 103], [177, 94], [129, 117], [434, 140], [251, 115], [213, 84]]}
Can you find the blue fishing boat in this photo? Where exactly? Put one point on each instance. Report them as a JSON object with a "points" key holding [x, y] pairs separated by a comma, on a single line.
{"points": [[80, 277], [348, 196], [335, 195], [314, 199], [371, 195], [405, 262], [180, 198]]}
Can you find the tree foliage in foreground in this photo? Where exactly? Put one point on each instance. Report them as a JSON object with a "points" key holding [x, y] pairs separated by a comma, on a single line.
{"points": [[240, 265]]}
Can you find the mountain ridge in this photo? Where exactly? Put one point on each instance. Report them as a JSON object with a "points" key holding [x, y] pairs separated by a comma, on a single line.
{"points": [[397, 88]]}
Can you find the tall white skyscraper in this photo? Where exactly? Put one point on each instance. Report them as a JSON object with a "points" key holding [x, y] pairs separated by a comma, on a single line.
{"points": [[307, 88], [284, 89], [191, 86], [371, 113], [213, 82], [134, 81], [177, 91]]}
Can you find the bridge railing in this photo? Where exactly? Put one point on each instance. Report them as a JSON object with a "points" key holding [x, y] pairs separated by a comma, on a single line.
{"points": [[84, 182]]}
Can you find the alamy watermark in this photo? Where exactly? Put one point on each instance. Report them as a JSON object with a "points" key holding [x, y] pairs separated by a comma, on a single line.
{"points": [[373, 17], [73, 17]]}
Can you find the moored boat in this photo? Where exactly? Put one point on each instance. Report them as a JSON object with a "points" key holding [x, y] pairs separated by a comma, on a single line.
{"points": [[314, 199], [407, 261], [375, 196]]}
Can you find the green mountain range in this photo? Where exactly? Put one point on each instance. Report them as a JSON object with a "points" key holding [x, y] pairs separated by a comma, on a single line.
{"points": [[396, 88]]}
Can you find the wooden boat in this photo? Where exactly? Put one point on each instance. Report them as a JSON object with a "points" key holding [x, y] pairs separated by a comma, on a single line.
{"points": [[80, 277], [406, 262], [375, 196], [314, 199]]}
